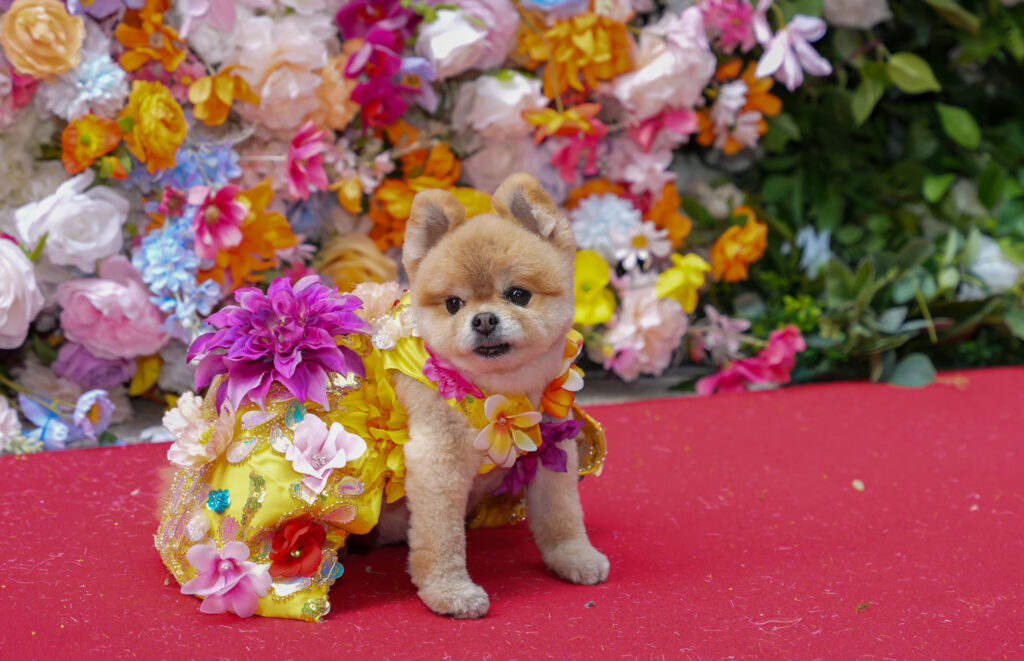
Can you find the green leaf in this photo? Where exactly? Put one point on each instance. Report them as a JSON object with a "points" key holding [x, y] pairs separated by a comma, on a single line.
{"points": [[911, 73], [959, 125], [955, 15], [991, 182], [849, 234], [865, 98], [46, 353], [781, 130], [949, 278], [1015, 322], [935, 186], [913, 371], [915, 253], [903, 289]]}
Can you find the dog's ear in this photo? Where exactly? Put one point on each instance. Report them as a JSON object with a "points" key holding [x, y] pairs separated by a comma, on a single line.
{"points": [[521, 198], [434, 213]]}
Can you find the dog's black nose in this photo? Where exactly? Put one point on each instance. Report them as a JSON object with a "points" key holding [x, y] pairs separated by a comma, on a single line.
{"points": [[485, 323]]}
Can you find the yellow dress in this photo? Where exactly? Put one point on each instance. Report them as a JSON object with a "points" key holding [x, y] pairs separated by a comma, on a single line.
{"points": [[251, 491]]}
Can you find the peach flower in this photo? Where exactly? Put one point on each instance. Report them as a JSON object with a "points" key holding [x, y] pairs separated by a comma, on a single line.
{"points": [[337, 108], [41, 38]]}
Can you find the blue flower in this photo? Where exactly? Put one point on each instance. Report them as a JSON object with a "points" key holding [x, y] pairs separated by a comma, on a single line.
{"points": [[814, 250], [212, 164], [218, 500], [93, 411], [598, 217]]}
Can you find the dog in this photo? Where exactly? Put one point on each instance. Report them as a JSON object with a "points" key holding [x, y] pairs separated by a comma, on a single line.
{"points": [[490, 304]]}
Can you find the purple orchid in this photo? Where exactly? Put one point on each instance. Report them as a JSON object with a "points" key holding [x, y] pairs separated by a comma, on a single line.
{"points": [[553, 457], [358, 17], [450, 383], [287, 335], [227, 580]]}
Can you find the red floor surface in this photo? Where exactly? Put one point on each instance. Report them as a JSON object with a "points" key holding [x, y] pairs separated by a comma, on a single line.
{"points": [[732, 524]]}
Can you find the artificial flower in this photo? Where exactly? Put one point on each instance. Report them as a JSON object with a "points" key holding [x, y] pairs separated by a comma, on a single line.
{"points": [[738, 247], [306, 161], [217, 224], [226, 579], [506, 431], [357, 17], [82, 223], [218, 13], [158, 125], [87, 138], [264, 233], [96, 85], [997, 271], [780, 355], [723, 334], [478, 34], [557, 8], [595, 303], [377, 57], [92, 413], [493, 105], [549, 454], [286, 336], [814, 249], [10, 425], [559, 395], [736, 118], [379, 301], [729, 24], [146, 37], [671, 126], [450, 383], [101, 8], [337, 109], [212, 96], [673, 66], [20, 299], [734, 377], [789, 53], [636, 246], [647, 172], [197, 440], [664, 213], [856, 14], [111, 315], [381, 101], [76, 364], [597, 217], [351, 259], [682, 280], [316, 450], [571, 121], [597, 186], [41, 39], [297, 548], [578, 52], [644, 333], [16, 91]]}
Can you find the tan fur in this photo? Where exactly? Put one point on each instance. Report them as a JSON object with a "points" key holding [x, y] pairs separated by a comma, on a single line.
{"points": [[528, 244]]}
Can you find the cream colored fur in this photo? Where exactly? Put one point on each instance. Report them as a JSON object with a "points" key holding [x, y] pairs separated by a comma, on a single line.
{"points": [[528, 244]]}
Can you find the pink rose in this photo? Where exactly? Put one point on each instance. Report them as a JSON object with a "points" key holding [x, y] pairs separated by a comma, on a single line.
{"points": [[111, 315]]}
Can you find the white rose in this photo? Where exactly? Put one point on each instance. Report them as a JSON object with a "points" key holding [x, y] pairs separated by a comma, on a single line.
{"points": [[856, 14], [81, 226], [20, 298], [674, 65], [493, 105], [10, 426], [452, 43]]}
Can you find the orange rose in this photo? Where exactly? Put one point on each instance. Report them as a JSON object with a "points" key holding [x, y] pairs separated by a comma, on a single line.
{"points": [[159, 125], [41, 39], [739, 247]]}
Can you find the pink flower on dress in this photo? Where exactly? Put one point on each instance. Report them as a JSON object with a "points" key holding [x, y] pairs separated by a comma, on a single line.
{"points": [[789, 53], [450, 383], [217, 224], [316, 450], [306, 161], [227, 580]]}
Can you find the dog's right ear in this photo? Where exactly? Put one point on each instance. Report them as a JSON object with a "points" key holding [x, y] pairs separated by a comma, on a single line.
{"points": [[434, 213]]}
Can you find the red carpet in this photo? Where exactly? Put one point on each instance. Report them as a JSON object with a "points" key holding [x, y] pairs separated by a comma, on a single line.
{"points": [[731, 523]]}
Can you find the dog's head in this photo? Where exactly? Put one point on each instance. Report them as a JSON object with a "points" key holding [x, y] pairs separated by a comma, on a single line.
{"points": [[493, 294]]}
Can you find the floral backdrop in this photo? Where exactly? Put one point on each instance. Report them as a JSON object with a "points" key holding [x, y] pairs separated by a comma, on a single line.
{"points": [[772, 191]]}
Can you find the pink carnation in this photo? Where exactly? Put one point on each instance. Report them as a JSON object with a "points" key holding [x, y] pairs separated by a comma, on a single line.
{"points": [[111, 315]]}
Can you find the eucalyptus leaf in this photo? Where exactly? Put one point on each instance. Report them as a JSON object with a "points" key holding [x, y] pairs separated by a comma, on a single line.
{"points": [[891, 320], [913, 371], [912, 74]]}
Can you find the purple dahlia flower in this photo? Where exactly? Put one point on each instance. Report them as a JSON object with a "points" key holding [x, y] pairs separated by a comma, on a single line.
{"points": [[286, 336]]}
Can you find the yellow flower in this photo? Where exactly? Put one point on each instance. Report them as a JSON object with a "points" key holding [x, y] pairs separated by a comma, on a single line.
{"points": [[507, 431], [595, 303], [41, 39], [145, 38], [212, 95], [573, 120], [739, 247], [682, 280], [158, 125]]}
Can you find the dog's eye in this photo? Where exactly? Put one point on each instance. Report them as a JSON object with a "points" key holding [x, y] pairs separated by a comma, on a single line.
{"points": [[453, 304], [518, 296]]}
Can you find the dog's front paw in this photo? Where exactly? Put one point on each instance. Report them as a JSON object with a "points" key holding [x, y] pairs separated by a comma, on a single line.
{"points": [[579, 562], [463, 599]]}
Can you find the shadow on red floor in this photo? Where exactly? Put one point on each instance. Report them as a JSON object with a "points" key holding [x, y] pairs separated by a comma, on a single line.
{"points": [[836, 521]]}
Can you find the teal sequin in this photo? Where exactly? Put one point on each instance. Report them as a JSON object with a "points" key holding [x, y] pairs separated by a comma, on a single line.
{"points": [[218, 500]]}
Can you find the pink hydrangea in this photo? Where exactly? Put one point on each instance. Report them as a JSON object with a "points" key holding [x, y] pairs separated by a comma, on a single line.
{"points": [[226, 578], [112, 315]]}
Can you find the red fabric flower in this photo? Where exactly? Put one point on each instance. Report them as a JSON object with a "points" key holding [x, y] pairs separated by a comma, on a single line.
{"points": [[297, 548]]}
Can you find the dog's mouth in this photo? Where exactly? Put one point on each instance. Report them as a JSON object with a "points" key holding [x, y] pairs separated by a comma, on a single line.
{"points": [[493, 350]]}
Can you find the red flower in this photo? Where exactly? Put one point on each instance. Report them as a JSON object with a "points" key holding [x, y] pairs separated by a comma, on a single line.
{"points": [[297, 548]]}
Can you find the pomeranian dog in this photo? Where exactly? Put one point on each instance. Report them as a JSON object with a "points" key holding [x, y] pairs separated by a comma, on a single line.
{"points": [[493, 296]]}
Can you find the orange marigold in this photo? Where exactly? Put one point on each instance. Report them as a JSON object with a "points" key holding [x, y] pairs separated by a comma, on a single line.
{"points": [[665, 214], [263, 234], [87, 138], [579, 51], [145, 38], [739, 247]]}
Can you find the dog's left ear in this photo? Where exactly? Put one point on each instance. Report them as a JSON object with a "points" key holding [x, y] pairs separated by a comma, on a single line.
{"points": [[521, 198]]}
